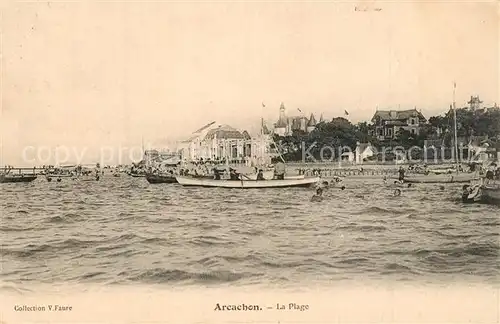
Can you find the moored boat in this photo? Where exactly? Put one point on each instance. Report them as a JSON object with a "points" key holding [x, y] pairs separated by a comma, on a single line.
{"points": [[157, 178], [442, 178], [14, 178], [491, 193], [481, 193], [247, 184]]}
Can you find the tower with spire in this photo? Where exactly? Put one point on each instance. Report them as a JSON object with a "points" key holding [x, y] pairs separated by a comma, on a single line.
{"points": [[286, 125], [474, 103], [280, 127], [311, 124]]}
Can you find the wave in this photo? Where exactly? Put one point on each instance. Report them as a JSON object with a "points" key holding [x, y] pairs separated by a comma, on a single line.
{"points": [[160, 275], [67, 218], [206, 240], [32, 250], [375, 210], [397, 268], [363, 228], [15, 229]]}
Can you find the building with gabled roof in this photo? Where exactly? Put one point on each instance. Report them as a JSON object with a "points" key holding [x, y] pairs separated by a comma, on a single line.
{"points": [[389, 122]]}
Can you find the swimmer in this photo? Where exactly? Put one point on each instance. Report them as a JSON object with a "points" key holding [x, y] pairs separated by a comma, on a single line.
{"points": [[466, 192], [322, 185], [397, 192], [337, 179], [342, 188], [398, 183], [318, 196], [441, 187], [409, 185]]}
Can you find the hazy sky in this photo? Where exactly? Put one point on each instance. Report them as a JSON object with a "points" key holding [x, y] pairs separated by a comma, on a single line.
{"points": [[109, 73]]}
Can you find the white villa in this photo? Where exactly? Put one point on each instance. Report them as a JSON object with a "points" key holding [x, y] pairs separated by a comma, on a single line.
{"points": [[363, 151], [218, 141]]}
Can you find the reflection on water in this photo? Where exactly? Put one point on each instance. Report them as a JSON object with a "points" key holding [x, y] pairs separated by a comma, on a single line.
{"points": [[125, 231]]}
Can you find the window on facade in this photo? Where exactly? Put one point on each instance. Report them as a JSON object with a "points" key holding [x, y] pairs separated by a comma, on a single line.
{"points": [[413, 131]]}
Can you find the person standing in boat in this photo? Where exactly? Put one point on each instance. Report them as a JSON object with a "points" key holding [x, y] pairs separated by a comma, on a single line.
{"points": [[490, 173], [260, 175], [279, 171], [233, 175], [216, 174]]}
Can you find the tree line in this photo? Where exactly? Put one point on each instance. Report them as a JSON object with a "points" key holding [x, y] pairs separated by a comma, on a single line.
{"points": [[340, 132]]}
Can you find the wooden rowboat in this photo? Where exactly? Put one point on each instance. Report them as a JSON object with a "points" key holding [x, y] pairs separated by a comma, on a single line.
{"points": [[137, 175], [156, 178], [482, 193], [247, 184], [491, 193]]}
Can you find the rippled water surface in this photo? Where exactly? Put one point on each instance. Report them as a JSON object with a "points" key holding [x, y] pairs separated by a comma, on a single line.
{"points": [[123, 230]]}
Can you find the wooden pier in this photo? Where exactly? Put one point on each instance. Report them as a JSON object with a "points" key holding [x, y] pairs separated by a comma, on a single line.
{"points": [[11, 170]]}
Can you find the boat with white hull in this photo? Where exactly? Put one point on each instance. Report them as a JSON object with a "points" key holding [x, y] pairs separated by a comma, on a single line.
{"points": [[247, 184], [442, 178], [481, 193]]}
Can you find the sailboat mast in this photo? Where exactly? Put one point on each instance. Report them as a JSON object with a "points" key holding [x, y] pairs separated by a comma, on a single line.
{"points": [[455, 124], [262, 148]]}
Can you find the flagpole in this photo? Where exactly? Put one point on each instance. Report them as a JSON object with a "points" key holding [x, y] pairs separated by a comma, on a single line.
{"points": [[455, 124], [262, 150]]}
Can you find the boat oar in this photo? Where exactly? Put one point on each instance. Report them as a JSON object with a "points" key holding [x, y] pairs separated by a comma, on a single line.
{"points": [[245, 176]]}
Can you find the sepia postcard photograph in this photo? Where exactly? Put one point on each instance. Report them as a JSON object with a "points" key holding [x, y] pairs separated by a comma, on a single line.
{"points": [[249, 161]]}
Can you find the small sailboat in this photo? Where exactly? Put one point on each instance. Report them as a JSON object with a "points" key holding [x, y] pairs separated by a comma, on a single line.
{"points": [[269, 172], [446, 175]]}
